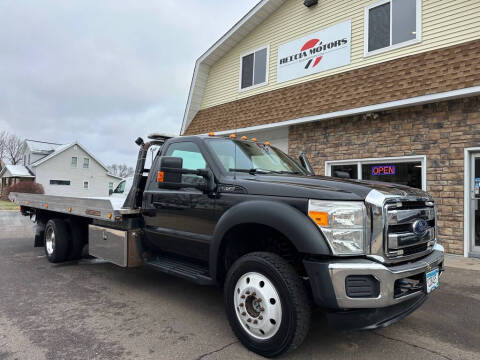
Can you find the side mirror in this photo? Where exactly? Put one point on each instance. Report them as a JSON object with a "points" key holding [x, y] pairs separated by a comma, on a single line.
{"points": [[306, 164], [110, 192], [171, 171]]}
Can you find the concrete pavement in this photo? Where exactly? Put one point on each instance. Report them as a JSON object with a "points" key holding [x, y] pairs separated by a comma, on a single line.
{"points": [[95, 310]]}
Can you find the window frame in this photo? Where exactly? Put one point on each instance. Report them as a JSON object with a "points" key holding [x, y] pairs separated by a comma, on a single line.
{"points": [[368, 161], [254, 86], [87, 163], [51, 182], [76, 162], [88, 185], [418, 34]]}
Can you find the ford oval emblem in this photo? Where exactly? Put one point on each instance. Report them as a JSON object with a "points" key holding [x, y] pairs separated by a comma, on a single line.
{"points": [[419, 227]]}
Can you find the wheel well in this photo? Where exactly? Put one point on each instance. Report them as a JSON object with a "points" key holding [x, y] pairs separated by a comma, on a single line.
{"points": [[246, 238]]}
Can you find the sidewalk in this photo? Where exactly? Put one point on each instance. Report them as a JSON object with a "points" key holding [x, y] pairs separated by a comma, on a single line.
{"points": [[460, 262]]}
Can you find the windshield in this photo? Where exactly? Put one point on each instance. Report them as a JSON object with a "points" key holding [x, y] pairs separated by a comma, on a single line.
{"points": [[252, 157], [120, 188]]}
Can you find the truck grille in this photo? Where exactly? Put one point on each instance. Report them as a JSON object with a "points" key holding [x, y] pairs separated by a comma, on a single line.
{"points": [[409, 228]]}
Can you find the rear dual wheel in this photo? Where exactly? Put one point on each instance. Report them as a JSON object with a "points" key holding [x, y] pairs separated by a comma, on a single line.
{"points": [[64, 240], [267, 304]]}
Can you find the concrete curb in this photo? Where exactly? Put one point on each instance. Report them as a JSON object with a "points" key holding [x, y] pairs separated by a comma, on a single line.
{"points": [[460, 262]]}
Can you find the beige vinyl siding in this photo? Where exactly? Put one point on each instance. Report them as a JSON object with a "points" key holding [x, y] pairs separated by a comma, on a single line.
{"points": [[444, 23]]}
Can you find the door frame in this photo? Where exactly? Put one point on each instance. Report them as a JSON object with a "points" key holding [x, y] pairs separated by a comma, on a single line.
{"points": [[467, 216]]}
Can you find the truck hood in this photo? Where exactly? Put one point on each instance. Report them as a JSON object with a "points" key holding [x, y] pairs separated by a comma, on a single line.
{"points": [[321, 187]]}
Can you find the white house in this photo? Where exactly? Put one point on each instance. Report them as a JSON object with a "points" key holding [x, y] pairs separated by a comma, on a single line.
{"points": [[62, 169]]}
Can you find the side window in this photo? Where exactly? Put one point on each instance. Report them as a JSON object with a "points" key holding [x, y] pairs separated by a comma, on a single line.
{"points": [[192, 160], [190, 153]]}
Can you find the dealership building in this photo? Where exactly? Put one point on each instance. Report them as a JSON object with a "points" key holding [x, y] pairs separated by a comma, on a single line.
{"points": [[379, 90]]}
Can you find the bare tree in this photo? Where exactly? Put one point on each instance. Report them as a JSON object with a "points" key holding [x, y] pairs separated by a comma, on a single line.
{"points": [[13, 145], [3, 140], [121, 170]]}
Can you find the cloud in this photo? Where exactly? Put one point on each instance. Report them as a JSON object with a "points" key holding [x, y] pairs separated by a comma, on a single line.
{"points": [[103, 72]]}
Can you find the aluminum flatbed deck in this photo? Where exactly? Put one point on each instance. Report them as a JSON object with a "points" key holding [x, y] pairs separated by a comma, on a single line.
{"points": [[104, 208]]}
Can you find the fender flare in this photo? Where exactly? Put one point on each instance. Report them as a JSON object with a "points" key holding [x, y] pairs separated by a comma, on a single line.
{"points": [[291, 222]]}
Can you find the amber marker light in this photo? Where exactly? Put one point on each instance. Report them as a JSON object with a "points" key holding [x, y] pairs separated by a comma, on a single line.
{"points": [[69, 209], [46, 205], [109, 215], [320, 217], [244, 138], [254, 139], [160, 176], [27, 202], [233, 136], [211, 133], [267, 143]]}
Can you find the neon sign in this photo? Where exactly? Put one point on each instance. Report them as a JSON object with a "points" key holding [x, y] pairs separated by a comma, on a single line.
{"points": [[383, 170]]}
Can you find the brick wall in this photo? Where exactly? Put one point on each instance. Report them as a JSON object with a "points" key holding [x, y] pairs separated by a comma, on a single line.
{"points": [[440, 131], [431, 72]]}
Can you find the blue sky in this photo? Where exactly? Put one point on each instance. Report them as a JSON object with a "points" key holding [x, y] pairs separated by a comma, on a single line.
{"points": [[103, 72]]}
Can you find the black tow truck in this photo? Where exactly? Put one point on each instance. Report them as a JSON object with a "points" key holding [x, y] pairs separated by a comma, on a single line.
{"points": [[280, 240]]}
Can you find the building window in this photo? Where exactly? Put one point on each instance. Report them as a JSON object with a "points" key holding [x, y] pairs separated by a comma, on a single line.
{"points": [[407, 170], [391, 24], [59, 182], [85, 185], [86, 163], [110, 185], [74, 161], [253, 69]]}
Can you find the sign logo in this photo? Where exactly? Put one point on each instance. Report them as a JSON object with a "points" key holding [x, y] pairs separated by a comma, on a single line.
{"points": [[383, 170], [419, 227], [320, 51]]}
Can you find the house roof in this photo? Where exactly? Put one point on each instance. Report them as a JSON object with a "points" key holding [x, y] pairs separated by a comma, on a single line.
{"points": [[233, 36], [16, 171], [41, 147], [61, 149]]}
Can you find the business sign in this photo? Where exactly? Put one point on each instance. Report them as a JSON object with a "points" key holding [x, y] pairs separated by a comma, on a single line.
{"points": [[320, 51], [383, 170]]}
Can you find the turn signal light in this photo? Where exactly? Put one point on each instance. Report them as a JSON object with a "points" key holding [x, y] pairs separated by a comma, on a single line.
{"points": [[160, 176], [320, 217]]}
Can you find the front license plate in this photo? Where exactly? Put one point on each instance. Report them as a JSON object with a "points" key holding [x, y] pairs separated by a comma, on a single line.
{"points": [[432, 280]]}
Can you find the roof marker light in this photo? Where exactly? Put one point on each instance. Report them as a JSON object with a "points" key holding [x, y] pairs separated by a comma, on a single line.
{"points": [[233, 136], [211, 133], [267, 143], [46, 205], [254, 139], [109, 215], [244, 137]]}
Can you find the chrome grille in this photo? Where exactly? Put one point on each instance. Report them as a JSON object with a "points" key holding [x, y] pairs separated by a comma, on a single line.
{"points": [[402, 236]]}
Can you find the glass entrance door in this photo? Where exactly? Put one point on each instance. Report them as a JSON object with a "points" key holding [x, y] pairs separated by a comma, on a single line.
{"points": [[475, 203]]}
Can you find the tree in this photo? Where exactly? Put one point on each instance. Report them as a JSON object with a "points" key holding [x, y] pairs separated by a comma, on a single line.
{"points": [[121, 170], [10, 148]]}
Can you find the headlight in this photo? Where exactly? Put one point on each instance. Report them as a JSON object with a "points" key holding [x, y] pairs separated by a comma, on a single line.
{"points": [[342, 223]]}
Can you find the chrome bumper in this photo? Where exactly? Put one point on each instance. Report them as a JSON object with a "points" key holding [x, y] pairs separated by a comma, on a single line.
{"points": [[338, 271]]}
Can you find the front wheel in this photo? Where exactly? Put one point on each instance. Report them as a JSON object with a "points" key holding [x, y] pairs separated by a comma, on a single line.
{"points": [[267, 304]]}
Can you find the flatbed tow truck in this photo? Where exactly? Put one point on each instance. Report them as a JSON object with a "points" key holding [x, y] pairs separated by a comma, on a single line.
{"points": [[244, 215]]}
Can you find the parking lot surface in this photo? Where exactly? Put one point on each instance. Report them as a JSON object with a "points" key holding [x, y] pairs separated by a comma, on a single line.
{"points": [[94, 310]]}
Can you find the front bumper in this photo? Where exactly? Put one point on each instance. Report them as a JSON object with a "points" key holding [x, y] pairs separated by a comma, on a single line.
{"points": [[328, 280]]}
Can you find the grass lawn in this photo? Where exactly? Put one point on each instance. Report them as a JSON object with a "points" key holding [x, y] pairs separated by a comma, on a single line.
{"points": [[7, 205]]}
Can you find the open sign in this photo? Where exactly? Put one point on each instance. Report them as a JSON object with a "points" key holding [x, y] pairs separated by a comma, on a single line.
{"points": [[383, 170]]}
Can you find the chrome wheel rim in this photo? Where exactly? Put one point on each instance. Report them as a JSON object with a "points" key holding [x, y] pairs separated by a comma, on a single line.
{"points": [[50, 241], [257, 305]]}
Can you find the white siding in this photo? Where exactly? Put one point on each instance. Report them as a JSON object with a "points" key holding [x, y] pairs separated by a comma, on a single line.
{"points": [[59, 168]]}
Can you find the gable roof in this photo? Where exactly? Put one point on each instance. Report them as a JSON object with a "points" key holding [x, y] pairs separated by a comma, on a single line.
{"points": [[16, 171], [41, 147], [233, 36], [61, 149]]}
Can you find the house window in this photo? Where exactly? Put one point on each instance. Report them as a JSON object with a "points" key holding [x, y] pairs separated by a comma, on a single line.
{"points": [[85, 185], [407, 170], [391, 24], [110, 185], [74, 161], [253, 69], [86, 163], [59, 182]]}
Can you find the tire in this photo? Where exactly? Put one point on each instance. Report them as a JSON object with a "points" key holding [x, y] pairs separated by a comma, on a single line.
{"points": [[78, 235], [56, 247], [280, 321]]}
